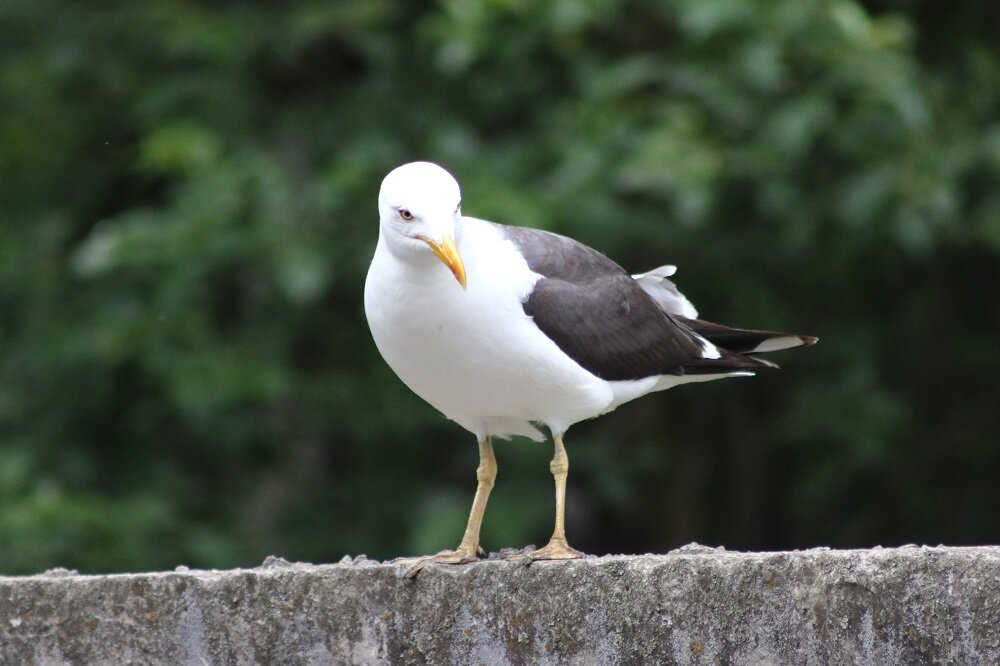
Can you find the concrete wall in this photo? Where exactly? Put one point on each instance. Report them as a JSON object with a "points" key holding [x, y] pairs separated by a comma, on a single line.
{"points": [[912, 605]]}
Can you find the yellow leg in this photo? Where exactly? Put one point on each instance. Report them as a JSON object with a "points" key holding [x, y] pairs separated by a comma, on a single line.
{"points": [[486, 475], [558, 548], [468, 549]]}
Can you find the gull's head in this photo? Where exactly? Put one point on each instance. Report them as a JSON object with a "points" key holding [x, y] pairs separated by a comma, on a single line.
{"points": [[420, 209]]}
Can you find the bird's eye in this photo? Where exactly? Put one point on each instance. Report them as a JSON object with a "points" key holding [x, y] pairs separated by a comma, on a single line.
{"points": [[405, 214]]}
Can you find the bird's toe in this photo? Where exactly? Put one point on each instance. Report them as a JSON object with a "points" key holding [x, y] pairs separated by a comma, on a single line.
{"points": [[414, 565], [556, 549]]}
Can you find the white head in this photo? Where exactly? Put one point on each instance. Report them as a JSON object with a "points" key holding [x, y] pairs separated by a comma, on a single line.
{"points": [[420, 210]]}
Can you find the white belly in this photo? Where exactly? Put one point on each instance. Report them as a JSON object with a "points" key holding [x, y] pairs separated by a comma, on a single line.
{"points": [[474, 354]]}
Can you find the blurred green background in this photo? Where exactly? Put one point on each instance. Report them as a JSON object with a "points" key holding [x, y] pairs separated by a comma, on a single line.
{"points": [[187, 212]]}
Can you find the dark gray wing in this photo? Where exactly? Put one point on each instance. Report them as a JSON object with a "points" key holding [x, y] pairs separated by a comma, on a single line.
{"points": [[602, 319]]}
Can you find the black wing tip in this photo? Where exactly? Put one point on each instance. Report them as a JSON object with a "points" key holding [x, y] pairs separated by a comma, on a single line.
{"points": [[730, 363], [744, 340]]}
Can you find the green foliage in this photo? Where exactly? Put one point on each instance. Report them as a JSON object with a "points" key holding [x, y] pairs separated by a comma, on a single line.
{"points": [[187, 209]]}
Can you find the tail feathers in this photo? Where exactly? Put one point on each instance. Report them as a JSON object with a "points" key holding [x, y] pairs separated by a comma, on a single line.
{"points": [[742, 341]]}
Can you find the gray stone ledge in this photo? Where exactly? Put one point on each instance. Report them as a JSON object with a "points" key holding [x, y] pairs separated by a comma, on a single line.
{"points": [[911, 605]]}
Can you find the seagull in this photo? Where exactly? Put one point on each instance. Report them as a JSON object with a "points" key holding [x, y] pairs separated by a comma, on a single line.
{"points": [[504, 328]]}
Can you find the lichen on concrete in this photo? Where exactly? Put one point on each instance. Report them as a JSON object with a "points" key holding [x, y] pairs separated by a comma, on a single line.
{"points": [[696, 605]]}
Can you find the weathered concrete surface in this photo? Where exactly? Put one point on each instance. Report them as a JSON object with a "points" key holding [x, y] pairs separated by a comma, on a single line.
{"points": [[692, 606]]}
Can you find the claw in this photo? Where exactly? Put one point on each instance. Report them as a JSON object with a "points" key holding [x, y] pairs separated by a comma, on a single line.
{"points": [[415, 565], [557, 549]]}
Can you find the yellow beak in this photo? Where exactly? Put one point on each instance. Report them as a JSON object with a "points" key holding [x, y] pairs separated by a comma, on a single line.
{"points": [[447, 252]]}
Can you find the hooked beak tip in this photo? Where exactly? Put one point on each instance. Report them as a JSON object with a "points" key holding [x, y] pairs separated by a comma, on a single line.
{"points": [[449, 255]]}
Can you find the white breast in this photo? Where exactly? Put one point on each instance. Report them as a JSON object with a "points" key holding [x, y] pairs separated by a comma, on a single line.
{"points": [[474, 354]]}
